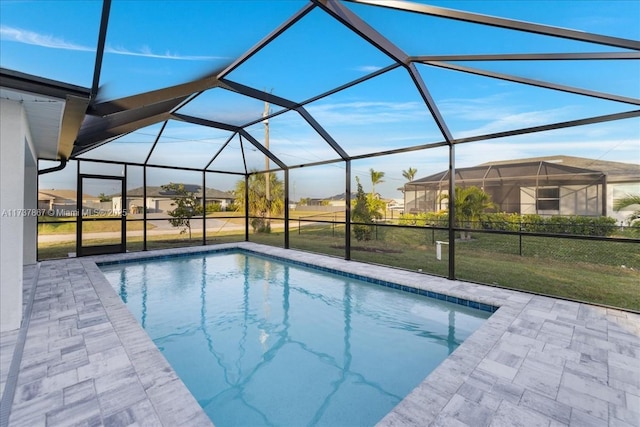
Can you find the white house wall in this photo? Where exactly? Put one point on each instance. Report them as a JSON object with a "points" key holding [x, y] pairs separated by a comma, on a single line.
{"points": [[620, 190], [574, 200], [13, 133]]}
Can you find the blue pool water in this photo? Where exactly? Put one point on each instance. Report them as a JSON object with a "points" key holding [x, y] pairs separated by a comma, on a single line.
{"points": [[262, 342]]}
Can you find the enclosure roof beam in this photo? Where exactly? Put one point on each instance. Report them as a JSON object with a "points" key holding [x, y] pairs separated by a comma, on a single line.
{"points": [[177, 93], [155, 142], [215, 156], [322, 132], [532, 82], [289, 105], [95, 130], [257, 94], [353, 83], [263, 149], [102, 37], [431, 104], [364, 30], [231, 128], [530, 57], [368, 33], [552, 126], [205, 122], [266, 40], [503, 23]]}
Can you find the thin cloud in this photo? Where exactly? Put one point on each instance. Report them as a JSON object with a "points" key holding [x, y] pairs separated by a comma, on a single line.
{"points": [[368, 68], [147, 53], [20, 35], [516, 121], [364, 113]]}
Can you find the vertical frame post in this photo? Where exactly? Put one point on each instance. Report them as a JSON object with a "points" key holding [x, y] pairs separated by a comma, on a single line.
{"points": [[123, 211], [144, 207], [452, 211], [246, 207], [286, 208], [79, 210], [347, 211], [204, 208]]}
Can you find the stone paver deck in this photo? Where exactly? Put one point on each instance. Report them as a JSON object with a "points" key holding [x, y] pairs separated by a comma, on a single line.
{"points": [[537, 361]]}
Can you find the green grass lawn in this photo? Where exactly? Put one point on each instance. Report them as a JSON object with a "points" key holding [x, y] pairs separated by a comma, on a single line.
{"points": [[600, 272], [64, 225]]}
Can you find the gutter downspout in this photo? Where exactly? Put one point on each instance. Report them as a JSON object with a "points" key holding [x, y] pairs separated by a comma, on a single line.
{"points": [[62, 165]]}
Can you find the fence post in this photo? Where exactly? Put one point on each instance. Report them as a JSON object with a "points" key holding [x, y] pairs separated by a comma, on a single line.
{"points": [[520, 237], [298, 226], [333, 226]]}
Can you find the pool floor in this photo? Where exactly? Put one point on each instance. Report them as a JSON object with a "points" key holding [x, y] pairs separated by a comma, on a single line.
{"points": [[262, 342]]}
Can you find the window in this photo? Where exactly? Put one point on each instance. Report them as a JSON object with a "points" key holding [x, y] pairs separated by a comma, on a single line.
{"points": [[548, 199]]}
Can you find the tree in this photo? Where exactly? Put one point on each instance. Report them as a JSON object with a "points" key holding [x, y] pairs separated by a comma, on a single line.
{"points": [[469, 204], [187, 206], [376, 178], [104, 198], [627, 202], [361, 213], [259, 205], [409, 174]]}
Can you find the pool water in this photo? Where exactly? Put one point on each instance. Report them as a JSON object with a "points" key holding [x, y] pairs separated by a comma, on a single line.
{"points": [[262, 342]]}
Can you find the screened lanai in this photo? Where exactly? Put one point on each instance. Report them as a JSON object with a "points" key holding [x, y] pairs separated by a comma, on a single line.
{"points": [[313, 97]]}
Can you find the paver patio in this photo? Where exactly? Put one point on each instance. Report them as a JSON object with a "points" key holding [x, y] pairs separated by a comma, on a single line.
{"points": [[537, 361]]}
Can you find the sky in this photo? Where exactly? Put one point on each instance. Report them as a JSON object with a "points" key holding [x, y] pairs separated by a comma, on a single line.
{"points": [[151, 45]]}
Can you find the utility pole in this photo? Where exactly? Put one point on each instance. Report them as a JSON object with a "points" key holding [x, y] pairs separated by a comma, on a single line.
{"points": [[267, 177]]}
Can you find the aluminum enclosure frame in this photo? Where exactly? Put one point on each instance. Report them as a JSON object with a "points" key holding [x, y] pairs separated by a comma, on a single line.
{"points": [[108, 120]]}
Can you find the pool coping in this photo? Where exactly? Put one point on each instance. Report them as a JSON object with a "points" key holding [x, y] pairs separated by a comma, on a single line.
{"points": [[536, 361]]}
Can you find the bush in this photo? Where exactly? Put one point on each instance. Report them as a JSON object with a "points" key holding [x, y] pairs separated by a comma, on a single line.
{"points": [[260, 225], [500, 221], [577, 225], [213, 207], [432, 219]]}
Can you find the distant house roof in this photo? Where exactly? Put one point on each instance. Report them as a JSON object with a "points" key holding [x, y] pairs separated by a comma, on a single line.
{"points": [[62, 194], [548, 168], [159, 192], [341, 196], [615, 171]]}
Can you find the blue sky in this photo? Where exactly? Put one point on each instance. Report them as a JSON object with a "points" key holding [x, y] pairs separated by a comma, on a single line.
{"points": [[154, 44]]}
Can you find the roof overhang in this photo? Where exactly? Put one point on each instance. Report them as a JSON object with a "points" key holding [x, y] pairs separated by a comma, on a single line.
{"points": [[55, 111]]}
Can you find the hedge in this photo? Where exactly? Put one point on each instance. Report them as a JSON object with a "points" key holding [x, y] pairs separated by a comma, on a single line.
{"points": [[576, 225]]}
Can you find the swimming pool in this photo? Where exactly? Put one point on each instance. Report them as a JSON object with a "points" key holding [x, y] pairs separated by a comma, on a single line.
{"points": [[263, 342]]}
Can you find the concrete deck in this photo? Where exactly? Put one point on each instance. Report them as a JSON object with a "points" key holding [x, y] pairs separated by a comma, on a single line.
{"points": [[537, 361]]}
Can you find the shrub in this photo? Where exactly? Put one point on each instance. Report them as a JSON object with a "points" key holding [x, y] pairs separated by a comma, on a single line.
{"points": [[530, 223], [213, 207]]}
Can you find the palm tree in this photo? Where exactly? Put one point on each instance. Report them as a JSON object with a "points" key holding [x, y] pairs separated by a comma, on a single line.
{"points": [[259, 205], [469, 204], [628, 202], [409, 175], [376, 178]]}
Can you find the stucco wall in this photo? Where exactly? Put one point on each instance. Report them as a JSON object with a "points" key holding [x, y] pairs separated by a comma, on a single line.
{"points": [[13, 134]]}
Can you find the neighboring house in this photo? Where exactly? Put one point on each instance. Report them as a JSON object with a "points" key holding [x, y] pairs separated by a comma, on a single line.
{"points": [[553, 185], [338, 203], [159, 200], [66, 200]]}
